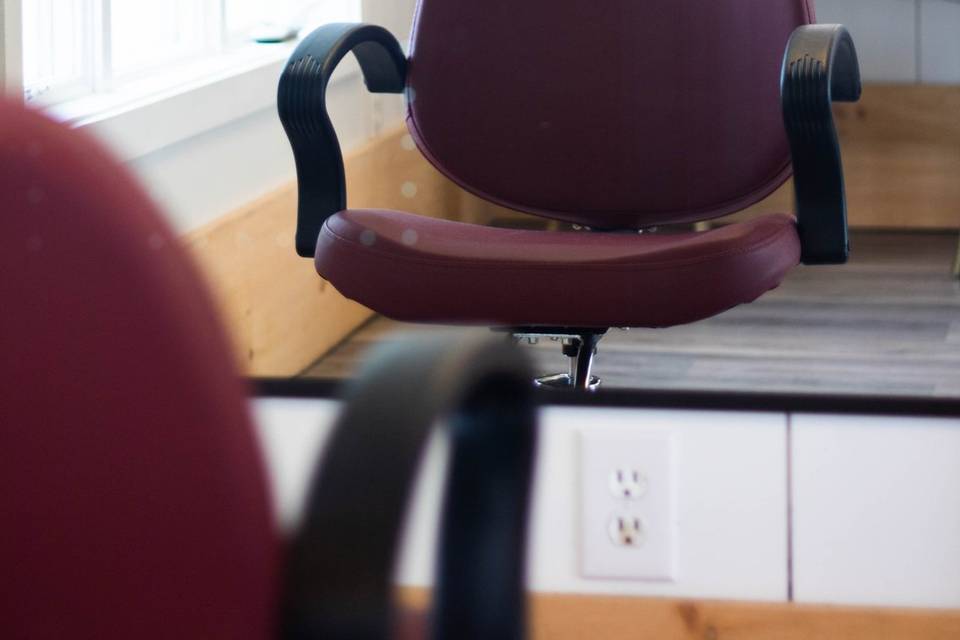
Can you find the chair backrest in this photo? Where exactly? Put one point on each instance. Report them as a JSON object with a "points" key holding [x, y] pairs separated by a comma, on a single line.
{"points": [[133, 497], [615, 114]]}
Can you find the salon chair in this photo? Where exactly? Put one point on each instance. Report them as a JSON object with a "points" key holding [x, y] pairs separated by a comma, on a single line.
{"points": [[133, 496], [630, 120]]}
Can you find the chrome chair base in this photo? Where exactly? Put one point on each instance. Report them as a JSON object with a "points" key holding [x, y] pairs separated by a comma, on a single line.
{"points": [[579, 345], [564, 381]]}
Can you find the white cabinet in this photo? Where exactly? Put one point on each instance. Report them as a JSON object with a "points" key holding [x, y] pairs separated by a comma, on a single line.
{"points": [[885, 32], [847, 510], [876, 510], [731, 496]]}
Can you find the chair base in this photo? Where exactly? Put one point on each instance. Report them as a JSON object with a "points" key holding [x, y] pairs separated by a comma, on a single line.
{"points": [[564, 381], [580, 345]]}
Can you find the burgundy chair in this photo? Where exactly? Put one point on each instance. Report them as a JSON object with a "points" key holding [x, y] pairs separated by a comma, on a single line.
{"points": [[133, 496], [619, 117]]}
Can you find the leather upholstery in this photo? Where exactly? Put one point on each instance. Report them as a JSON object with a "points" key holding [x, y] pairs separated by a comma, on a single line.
{"points": [[133, 497], [420, 269], [614, 114]]}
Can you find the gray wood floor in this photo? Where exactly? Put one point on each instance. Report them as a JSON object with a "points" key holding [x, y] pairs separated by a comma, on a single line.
{"points": [[887, 323]]}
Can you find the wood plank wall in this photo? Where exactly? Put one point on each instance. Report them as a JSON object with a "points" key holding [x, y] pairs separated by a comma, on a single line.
{"points": [[902, 156], [901, 159], [901, 150], [281, 315]]}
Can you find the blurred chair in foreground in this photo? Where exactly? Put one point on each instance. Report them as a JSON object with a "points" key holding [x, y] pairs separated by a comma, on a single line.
{"points": [[133, 495]]}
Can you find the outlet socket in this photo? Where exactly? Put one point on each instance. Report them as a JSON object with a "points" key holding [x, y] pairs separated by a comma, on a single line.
{"points": [[627, 505], [628, 483], [627, 531]]}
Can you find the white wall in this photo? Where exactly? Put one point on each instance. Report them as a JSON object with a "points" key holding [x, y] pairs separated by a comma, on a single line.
{"points": [[204, 177], [876, 510], [901, 40], [9, 46], [3, 48], [731, 537]]}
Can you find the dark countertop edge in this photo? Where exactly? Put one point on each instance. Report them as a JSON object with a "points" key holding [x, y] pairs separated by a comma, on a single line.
{"points": [[670, 399]]}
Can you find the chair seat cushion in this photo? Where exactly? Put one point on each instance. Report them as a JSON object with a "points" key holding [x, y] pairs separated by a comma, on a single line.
{"points": [[420, 269]]}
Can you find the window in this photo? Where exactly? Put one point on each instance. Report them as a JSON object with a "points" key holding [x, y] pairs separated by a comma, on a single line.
{"points": [[242, 16], [76, 48]]}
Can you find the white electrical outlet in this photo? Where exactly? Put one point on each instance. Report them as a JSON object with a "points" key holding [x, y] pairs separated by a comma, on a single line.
{"points": [[627, 505]]}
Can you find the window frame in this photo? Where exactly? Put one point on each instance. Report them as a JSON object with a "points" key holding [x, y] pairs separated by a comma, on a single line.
{"points": [[139, 118], [69, 87], [101, 86], [99, 75]]}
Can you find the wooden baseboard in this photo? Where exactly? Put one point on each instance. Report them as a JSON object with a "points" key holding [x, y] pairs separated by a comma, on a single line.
{"points": [[582, 617], [281, 315], [576, 617]]}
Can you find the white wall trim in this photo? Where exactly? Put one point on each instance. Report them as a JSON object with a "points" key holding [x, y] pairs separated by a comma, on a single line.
{"points": [[137, 126], [10, 57]]}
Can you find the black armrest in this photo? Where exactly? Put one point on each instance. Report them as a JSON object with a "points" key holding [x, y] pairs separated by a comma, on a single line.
{"points": [[339, 567], [301, 101], [820, 66]]}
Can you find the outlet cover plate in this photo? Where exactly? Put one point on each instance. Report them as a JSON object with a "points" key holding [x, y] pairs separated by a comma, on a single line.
{"points": [[602, 453]]}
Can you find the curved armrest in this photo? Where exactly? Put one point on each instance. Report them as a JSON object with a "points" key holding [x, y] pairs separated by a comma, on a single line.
{"points": [[340, 566], [820, 66], [301, 101]]}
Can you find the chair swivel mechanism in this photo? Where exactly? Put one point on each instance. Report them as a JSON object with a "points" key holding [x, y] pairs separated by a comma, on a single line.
{"points": [[622, 118]]}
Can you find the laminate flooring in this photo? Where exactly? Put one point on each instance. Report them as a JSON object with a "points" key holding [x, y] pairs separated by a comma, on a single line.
{"points": [[887, 323]]}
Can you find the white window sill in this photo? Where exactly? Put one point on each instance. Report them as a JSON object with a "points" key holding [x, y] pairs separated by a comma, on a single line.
{"points": [[185, 101]]}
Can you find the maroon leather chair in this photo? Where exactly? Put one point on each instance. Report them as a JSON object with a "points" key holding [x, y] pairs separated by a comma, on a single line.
{"points": [[133, 495], [133, 498], [619, 117]]}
